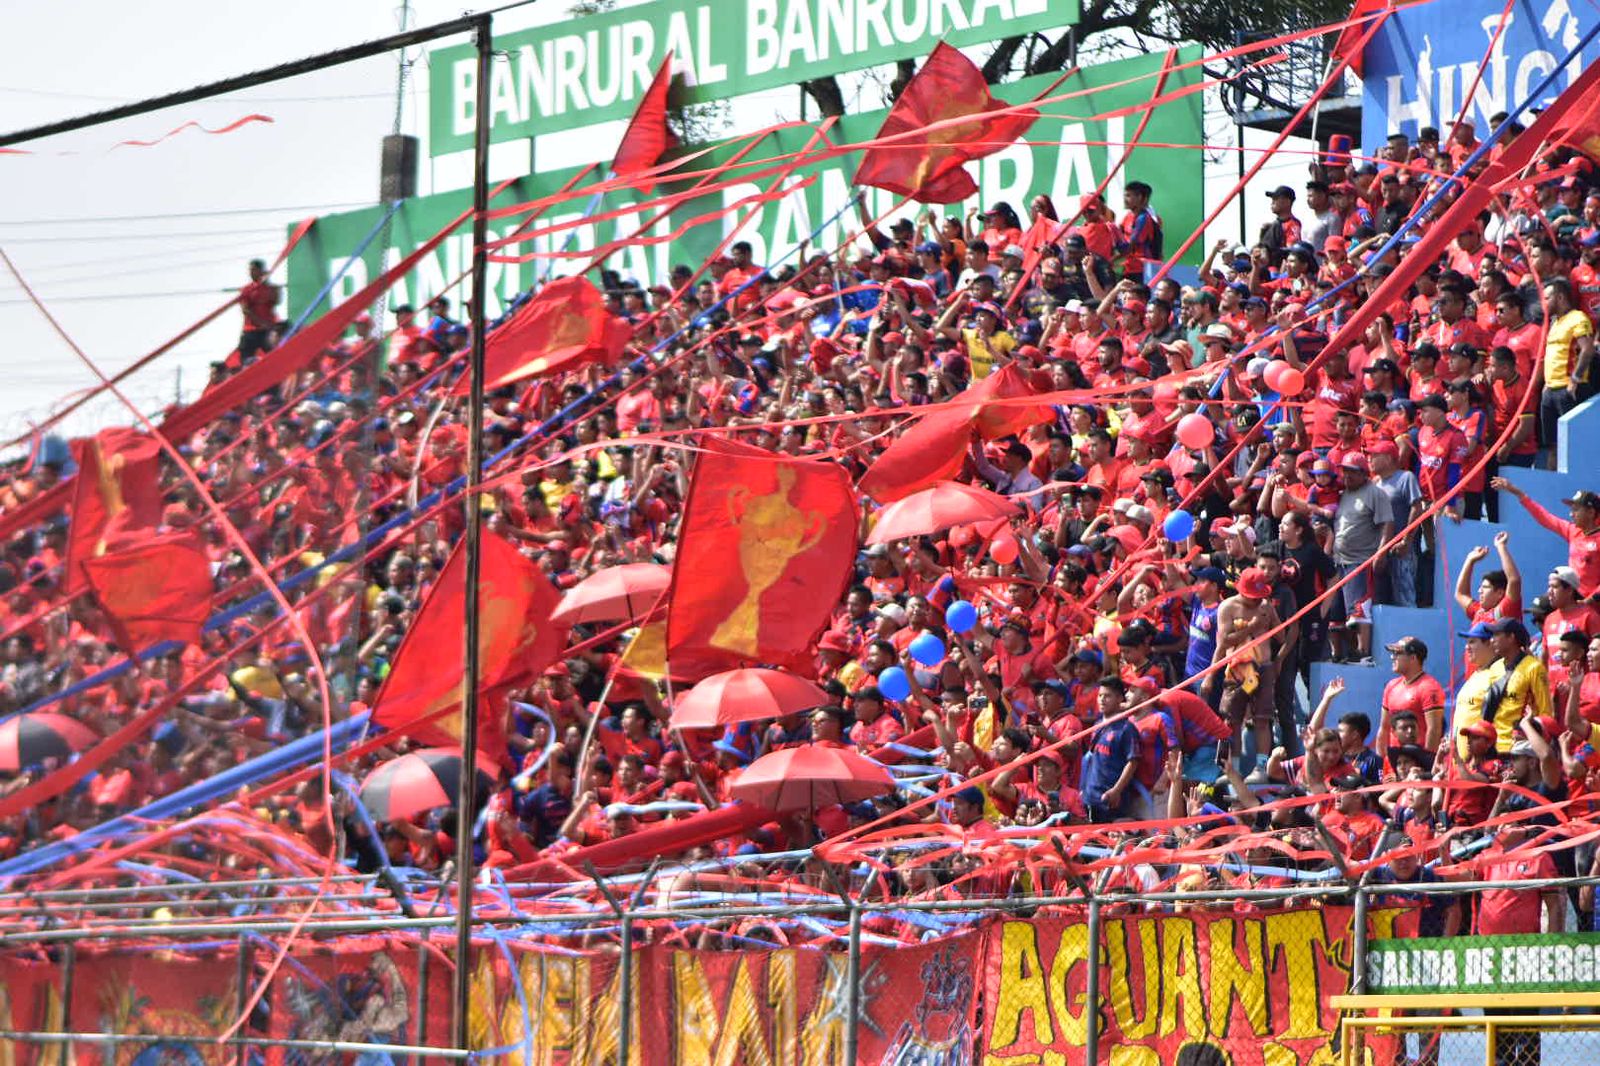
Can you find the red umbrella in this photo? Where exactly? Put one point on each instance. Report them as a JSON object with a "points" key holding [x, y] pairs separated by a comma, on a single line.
{"points": [[744, 696], [949, 503], [29, 738], [817, 775], [417, 782], [617, 593]]}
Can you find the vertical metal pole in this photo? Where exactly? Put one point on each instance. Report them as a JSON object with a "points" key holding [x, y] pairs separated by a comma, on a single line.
{"points": [[852, 991], [419, 1016], [466, 798], [1358, 944], [242, 982], [68, 965], [625, 996], [1091, 1010]]}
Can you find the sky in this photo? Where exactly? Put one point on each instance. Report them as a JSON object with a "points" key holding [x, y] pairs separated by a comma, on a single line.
{"points": [[128, 246]]}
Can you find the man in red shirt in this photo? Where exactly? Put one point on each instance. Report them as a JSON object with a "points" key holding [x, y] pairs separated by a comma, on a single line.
{"points": [[1568, 614], [1442, 453], [1517, 333], [1511, 911], [1507, 388], [1582, 532], [1412, 689], [259, 302], [1453, 326]]}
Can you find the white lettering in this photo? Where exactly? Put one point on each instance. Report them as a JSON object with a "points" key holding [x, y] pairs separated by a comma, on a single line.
{"points": [[836, 193], [569, 71], [681, 45], [709, 71], [603, 74], [750, 214], [870, 14], [1534, 66], [1002, 9], [836, 27], [637, 38], [354, 280], [535, 83], [909, 19], [947, 14], [761, 29], [503, 103], [798, 35], [1074, 171], [465, 85], [1116, 135], [793, 224]]}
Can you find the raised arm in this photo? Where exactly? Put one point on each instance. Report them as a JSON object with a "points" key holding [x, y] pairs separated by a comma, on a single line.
{"points": [[1464, 597]]}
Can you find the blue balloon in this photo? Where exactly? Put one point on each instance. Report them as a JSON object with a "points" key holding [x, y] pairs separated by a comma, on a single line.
{"points": [[928, 650], [894, 683], [960, 616], [1179, 526]]}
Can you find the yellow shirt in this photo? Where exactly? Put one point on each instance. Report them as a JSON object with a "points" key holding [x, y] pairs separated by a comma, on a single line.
{"points": [[1526, 686], [981, 356], [1469, 703], [1559, 346]]}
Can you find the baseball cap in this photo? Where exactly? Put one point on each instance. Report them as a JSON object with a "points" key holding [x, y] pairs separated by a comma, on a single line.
{"points": [[894, 612], [1522, 747], [1214, 574], [1356, 461], [1585, 498], [1480, 728], [929, 248], [1253, 584], [1012, 250], [1282, 190], [1513, 626], [1074, 307], [1567, 576], [1384, 447], [1408, 646]]}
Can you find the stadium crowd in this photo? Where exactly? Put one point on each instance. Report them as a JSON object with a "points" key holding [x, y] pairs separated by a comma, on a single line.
{"points": [[1078, 618]]}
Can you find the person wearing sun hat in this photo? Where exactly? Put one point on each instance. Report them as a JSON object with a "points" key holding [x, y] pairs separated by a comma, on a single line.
{"points": [[987, 342], [1248, 682]]}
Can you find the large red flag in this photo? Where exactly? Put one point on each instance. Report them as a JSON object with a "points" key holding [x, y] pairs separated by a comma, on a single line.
{"points": [[116, 498], [648, 136], [949, 86], [157, 589], [765, 551], [516, 640], [565, 326]]}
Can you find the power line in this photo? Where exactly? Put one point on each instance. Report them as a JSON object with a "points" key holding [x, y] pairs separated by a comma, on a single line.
{"points": [[126, 296], [228, 98], [183, 214], [257, 231]]}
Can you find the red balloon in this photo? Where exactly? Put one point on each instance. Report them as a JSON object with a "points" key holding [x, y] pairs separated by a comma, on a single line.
{"points": [[1274, 373], [1003, 549], [1291, 382], [1196, 431]]}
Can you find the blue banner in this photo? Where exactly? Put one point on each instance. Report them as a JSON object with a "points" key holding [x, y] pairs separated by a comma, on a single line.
{"points": [[1421, 64]]}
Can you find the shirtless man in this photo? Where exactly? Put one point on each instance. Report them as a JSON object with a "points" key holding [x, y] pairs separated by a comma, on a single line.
{"points": [[1249, 682]]}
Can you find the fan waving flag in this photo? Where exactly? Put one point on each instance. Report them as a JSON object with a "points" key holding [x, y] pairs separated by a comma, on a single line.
{"points": [[928, 166], [516, 640], [116, 497], [648, 137], [156, 590], [766, 549], [564, 327]]}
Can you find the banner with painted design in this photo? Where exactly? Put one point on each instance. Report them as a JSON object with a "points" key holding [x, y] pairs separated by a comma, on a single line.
{"points": [[1199, 988], [186, 1000]]}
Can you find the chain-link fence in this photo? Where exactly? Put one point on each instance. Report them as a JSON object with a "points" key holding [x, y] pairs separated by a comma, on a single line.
{"points": [[1267, 976]]}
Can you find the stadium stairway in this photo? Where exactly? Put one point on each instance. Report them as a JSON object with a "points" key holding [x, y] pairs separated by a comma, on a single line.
{"points": [[1536, 550]]}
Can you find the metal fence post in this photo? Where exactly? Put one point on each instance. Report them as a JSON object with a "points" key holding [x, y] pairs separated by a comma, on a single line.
{"points": [[1091, 1011], [242, 977], [852, 989], [625, 997], [68, 965], [1358, 946]]}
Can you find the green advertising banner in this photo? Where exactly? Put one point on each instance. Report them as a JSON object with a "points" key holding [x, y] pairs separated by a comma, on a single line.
{"points": [[1535, 962], [582, 71], [1065, 158]]}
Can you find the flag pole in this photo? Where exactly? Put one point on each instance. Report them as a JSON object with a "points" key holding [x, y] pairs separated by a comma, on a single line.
{"points": [[477, 316]]}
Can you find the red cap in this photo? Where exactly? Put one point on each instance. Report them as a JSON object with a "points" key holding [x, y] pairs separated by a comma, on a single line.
{"points": [[833, 640], [1480, 728], [1356, 461], [1384, 447], [1253, 584]]}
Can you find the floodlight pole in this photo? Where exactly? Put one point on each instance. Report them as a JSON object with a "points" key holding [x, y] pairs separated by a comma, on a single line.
{"points": [[479, 320]]}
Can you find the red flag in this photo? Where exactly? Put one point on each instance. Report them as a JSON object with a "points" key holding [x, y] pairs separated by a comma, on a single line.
{"points": [[929, 452], [516, 640], [1348, 45], [565, 326], [158, 589], [932, 450], [116, 497], [765, 551], [949, 86], [648, 136]]}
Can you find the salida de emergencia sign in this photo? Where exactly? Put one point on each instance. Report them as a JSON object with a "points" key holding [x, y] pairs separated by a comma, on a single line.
{"points": [[1546, 962], [588, 70]]}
